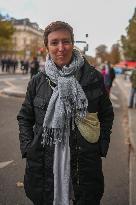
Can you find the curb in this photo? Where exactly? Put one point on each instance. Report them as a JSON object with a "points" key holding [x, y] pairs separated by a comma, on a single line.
{"points": [[132, 133]]}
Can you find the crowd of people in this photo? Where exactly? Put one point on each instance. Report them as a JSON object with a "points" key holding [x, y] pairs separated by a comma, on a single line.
{"points": [[10, 65]]}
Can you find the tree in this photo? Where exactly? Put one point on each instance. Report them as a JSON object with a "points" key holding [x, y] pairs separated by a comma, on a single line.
{"points": [[91, 60], [6, 32], [115, 54], [129, 41], [101, 52]]}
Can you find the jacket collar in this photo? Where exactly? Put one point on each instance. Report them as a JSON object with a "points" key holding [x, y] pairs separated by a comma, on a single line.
{"points": [[87, 74]]}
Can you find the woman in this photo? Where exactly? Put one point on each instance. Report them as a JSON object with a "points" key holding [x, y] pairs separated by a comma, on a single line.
{"points": [[61, 165]]}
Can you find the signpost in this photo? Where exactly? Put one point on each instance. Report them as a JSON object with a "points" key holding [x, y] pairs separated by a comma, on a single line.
{"points": [[84, 42]]}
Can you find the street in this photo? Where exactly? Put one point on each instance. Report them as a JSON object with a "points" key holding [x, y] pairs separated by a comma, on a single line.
{"points": [[10, 194], [115, 166]]}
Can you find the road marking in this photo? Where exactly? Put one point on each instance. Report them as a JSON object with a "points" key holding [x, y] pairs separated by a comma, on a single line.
{"points": [[114, 84], [116, 105], [10, 84], [13, 78], [113, 97], [5, 164]]}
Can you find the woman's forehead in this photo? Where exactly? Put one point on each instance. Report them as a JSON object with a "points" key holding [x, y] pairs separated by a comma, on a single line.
{"points": [[59, 34]]}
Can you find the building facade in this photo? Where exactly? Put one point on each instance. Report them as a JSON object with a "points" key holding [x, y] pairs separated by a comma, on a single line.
{"points": [[27, 38]]}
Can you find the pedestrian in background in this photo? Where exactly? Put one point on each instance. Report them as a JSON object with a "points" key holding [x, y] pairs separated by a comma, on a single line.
{"points": [[34, 66], [65, 124], [14, 64], [3, 63], [108, 75], [112, 74], [22, 65], [26, 66], [103, 71], [132, 99], [8, 64]]}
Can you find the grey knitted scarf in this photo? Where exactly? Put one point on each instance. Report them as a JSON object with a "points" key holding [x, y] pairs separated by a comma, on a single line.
{"points": [[68, 100]]}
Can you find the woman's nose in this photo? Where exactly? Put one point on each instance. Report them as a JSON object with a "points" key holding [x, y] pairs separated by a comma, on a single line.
{"points": [[61, 45]]}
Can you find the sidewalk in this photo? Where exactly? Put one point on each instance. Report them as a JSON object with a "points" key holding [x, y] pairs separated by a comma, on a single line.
{"points": [[125, 86]]}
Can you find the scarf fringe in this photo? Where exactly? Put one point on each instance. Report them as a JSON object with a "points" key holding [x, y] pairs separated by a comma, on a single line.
{"points": [[52, 136]]}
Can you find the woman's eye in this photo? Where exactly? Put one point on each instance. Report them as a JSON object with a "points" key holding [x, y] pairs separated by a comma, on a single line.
{"points": [[54, 43], [63, 42]]}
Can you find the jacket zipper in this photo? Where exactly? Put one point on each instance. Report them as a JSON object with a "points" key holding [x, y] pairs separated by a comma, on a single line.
{"points": [[77, 161]]}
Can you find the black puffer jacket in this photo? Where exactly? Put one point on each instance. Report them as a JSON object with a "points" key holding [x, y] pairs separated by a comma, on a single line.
{"points": [[86, 164]]}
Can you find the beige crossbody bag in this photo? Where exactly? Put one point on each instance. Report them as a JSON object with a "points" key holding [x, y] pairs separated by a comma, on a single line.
{"points": [[89, 127]]}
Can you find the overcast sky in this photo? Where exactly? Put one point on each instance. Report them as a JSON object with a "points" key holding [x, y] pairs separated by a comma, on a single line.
{"points": [[103, 20]]}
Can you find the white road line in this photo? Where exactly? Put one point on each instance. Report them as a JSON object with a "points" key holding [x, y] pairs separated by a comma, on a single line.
{"points": [[10, 79], [115, 105], [14, 78], [4, 164], [114, 84], [113, 97], [10, 84]]}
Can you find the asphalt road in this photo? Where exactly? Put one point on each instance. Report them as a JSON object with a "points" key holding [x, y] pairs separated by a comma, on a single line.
{"points": [[10, 194], [115, 166]]}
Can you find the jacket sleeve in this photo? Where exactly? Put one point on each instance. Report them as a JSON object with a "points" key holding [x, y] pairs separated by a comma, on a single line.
{"points": [[106, 117], [26, 119]]}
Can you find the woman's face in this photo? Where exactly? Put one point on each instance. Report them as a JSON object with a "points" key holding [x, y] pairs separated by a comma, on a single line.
{"points": [[60, 47]]}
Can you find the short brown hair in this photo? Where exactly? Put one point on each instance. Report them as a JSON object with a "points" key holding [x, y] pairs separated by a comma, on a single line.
{"points": [[55, 26]]}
